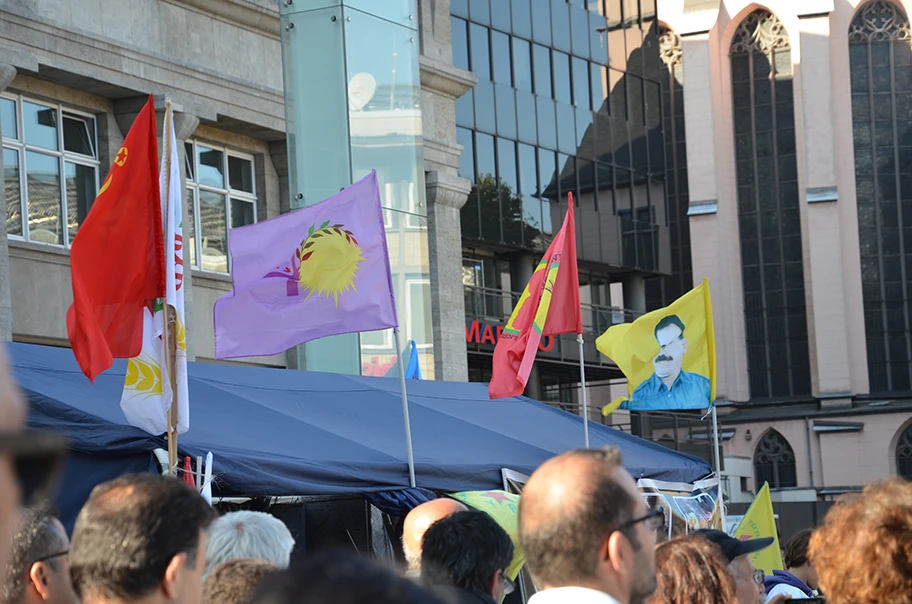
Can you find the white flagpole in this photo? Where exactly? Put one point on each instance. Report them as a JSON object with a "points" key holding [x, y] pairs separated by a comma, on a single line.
{"points": [[579, 340], [169, 341], [405, 410]]}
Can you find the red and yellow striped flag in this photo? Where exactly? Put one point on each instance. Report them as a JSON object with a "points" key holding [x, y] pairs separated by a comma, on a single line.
{"points": [[548, 306]]}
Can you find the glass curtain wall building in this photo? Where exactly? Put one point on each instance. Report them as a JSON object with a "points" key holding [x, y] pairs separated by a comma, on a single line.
{"points": [[365, 116], [568, 100]]}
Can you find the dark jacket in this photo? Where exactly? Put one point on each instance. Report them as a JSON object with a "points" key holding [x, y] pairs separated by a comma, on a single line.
{"points": [[783, 576], [455, 595]]}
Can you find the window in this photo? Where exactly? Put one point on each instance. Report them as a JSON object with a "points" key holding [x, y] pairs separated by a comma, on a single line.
{"points": [[418, 296], [543, 85], [880, 61], [221, 195], [774, 462], [50, 169], [904, 454], [769, 222]]}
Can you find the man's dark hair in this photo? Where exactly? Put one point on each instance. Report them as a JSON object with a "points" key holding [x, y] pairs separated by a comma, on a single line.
{"points": [[235, 581], [465, 550], [338, 577], [668, 322], [561, 540], [35, 538], [796, 550], [128, 532]]}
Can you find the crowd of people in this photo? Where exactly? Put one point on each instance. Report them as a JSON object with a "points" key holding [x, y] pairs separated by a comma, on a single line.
{"points": [[586, 532]]}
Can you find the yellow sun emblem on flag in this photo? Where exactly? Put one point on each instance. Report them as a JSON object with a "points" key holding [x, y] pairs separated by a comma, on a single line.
{"points": [[330, 259]]}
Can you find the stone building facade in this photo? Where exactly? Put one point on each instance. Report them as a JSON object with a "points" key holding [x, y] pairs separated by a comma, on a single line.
{"points": [[798, 160], [75, 74]]}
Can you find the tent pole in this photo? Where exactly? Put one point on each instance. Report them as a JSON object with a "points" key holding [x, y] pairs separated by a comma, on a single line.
{"points": [[579, 340], [405, 410]]}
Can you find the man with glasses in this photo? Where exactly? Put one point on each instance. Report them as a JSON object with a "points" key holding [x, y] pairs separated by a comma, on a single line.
{"points": [[38, 570], [29, 461], [586, 532], [464, 558], [748, 580]]}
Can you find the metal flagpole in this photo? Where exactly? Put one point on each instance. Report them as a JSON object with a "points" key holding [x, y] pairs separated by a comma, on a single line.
{"points": [[579, 340], [717, 456], [405, 410]]}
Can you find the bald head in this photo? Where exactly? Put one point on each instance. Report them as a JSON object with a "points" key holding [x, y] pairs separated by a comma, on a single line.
{"points": [[419, 520], [568, 507]]}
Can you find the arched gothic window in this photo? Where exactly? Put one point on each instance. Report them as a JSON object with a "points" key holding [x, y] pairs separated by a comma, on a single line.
{"points": [[662, 291], [774, 462], [768, 209], [880, 61], [904, 454]]}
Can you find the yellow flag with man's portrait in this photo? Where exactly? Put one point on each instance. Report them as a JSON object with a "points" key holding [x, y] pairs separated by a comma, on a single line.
{"points": [[667, 355]]}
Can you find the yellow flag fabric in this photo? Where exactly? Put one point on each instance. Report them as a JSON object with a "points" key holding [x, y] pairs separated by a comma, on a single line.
{"points": [[504, 508], [668, 355], [759, 522]]}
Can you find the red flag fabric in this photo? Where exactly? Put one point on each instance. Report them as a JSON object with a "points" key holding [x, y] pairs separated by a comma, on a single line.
{"points": [[188, 472], [549, 306], [117, 259]]}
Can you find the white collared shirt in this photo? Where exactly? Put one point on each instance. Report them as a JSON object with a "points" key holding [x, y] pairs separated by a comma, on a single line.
{"points": [[572, 595]]}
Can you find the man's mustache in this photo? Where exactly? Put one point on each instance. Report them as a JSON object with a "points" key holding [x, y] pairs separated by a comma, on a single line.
{"points": [[663, 357]]}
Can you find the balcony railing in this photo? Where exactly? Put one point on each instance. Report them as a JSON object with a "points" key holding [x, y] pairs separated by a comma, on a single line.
{"points": [[495, 305]]}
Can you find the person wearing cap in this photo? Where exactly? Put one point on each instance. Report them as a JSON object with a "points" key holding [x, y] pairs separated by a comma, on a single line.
{"points": [[748, 580]]}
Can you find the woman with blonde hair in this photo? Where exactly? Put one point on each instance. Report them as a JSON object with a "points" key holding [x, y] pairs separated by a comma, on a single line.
{"points": [[691, 570]]}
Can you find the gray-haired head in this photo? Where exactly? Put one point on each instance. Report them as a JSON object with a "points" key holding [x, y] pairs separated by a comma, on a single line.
{"points": [[245, 534]]}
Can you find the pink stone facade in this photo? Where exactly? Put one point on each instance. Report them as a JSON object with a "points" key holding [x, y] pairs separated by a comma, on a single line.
{"points": [[828, 458]]}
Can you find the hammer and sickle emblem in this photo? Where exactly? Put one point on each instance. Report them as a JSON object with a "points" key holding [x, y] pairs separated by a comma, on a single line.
{"points": [[121, 158]]}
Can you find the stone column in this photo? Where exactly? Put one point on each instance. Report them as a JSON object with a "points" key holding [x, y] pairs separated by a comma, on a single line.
{"points": [[7, 73], [446, 194], [278, 151], [825, 276], [441, 85], [713, 212]]}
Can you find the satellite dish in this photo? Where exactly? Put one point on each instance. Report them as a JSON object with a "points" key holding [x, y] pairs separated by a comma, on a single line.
{"points": [[361, 90]]}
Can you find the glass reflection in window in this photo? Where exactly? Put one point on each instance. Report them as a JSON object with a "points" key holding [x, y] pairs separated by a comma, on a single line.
{"points": [[44, 209]]}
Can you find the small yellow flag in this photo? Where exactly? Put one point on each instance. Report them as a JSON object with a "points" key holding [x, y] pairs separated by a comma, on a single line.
{"points": [[504, 508], [759, 522], [667, 355]]}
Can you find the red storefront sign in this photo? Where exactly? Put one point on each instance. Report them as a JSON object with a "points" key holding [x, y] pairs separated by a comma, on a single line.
{"points": [[485, 333]]}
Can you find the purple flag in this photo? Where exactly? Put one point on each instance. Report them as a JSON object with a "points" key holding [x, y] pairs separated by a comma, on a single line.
{"points": [[319, 271]]}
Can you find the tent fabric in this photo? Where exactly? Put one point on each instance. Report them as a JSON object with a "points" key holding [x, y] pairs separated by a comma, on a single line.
{"points": [[401, 501], [276, 432]]}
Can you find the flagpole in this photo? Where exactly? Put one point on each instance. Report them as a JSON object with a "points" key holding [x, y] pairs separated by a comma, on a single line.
{"points": [[717, 456], [405, 410], [168, 341], [579, 340]]}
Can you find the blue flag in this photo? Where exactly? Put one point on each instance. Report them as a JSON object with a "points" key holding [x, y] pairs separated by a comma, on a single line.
{"points": [[412, 369]]}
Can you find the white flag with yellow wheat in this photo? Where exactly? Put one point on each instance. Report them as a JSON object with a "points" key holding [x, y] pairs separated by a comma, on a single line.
{"points": [[147, 393]]}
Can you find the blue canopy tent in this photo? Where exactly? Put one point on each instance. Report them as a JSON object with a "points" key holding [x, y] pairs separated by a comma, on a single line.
{"points": [[277, 433]]}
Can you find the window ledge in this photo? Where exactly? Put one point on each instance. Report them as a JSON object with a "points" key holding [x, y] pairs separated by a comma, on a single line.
{"points": [[215, 279], [43, 252]]}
